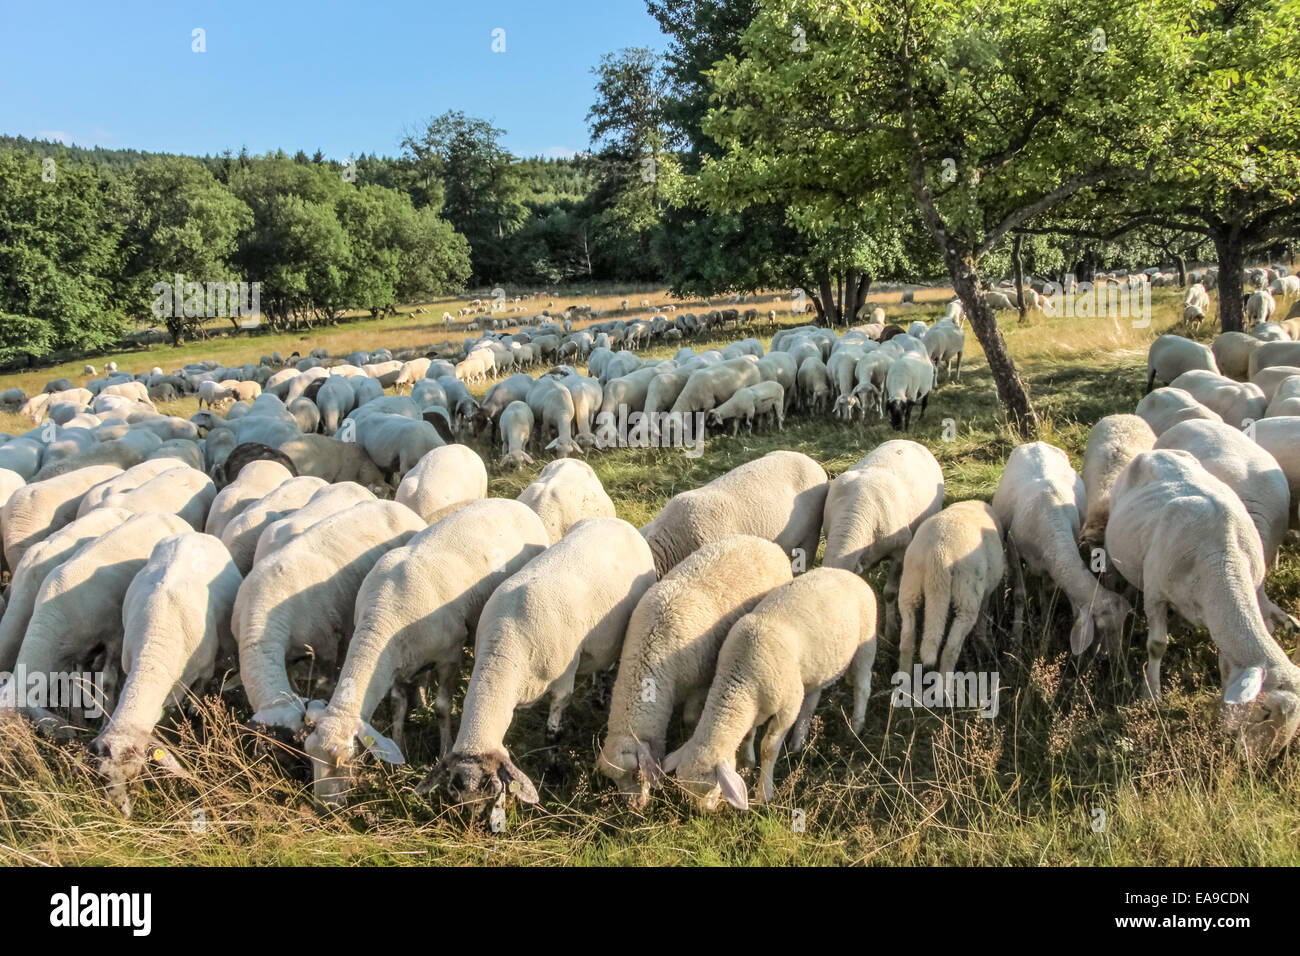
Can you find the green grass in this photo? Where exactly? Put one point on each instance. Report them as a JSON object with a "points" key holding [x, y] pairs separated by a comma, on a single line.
{"points": [[1071, 736]]}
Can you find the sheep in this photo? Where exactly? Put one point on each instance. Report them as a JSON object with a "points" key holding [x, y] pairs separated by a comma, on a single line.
{"points": [[1165, 407], [1253, 474], [1269, 379], [34, 511], [327, 501], [1112, 444], [1280, 437], [335, 461], [180, 491], [1040, 503], [1273, 353], [1237, 403], [302, 596], [955, 560], [1260, 307], [1232, 351], [539, 630], [176, 623], [1286, 400], [516, 428], [256, 480], [671, 647], [908, 381], [1184, 539], [1197, 298], [444, 480], [554, 414], [778, 497], [76, 610], [1270, 332], [566, 491], [416, 609], [813, 382], [211, 393], [1172, 355], [944, 341], [764, 398], [773, 666], [711, 386], [241, 534], [131, 449]]}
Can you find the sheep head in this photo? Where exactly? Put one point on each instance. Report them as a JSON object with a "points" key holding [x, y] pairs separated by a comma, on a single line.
{"points": [[334, 744], [1261, 708], [631, 764], [124, 755], [484, 779], [1102, 619], [705, 779]]}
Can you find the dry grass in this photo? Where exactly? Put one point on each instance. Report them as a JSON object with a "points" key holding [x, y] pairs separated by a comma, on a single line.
{"points": [[1071, 737]]}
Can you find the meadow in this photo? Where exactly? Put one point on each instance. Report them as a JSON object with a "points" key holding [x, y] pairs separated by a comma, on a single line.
{"points": [[1074, 768]]}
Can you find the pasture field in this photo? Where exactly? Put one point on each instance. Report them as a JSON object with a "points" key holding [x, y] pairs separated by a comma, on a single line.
{"points": [[1073, 769]]}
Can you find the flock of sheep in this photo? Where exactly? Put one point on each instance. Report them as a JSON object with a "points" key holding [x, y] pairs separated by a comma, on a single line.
{"points": [[333, 544]]}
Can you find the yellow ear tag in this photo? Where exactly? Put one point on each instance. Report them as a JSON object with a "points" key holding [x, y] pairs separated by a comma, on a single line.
{"points": [[368, 740], [514, 786], [159, 754]]}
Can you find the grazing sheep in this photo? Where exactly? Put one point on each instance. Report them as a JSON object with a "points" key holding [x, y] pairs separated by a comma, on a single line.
{"points": [[813, 382], [1232, 351], [538, 631], [180, 491], [516, 428], [955, 561], [416, 610], [944, 341], [1237, 403], [1040, 503], [256, 480], [760, 400], [1260, 307], [1197, 298], [778, 497], [176, 624], [1183, 538], [328, 501], [773, 666], [35, 511], [566, 491], [711, 386], [76, 611], [444, 480], [1172, 355], [671, 650], [1273, 353], [300, 598], [1165, 407], [1269, 379], [908, 381], [554, 414], [1112, 444], [241, 534]]}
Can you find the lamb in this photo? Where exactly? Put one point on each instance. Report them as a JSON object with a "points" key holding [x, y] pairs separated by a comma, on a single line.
{"points": [[242, 533], [944, 342], [416, 610], [1112, 444], [955, 560], [1172, 355], [256, 480], [516, 427], [762, 399], [1197, 298], [1232, 351], [671, 648], [35, 511], [1185, 540], [179, 491], [908, 381], [1237, 403], [711, 386], [328, 501], [444, 480], [1040, 503], [538, 631], [176, 621], [301, 597], [778, 497], [566, 491], [75, 614], [773, 666], [1166, 407]]}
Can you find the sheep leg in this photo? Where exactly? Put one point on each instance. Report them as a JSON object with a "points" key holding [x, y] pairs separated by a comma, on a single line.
{"points": [[907, 636], [399, 703], [1157, 641], [892, 586], [747, 758], [861, 670], [1274, 616], [694, 707], [1017, 589], [959, 367], [772, 740], [561, 691], [804, 720], [965, 619]]}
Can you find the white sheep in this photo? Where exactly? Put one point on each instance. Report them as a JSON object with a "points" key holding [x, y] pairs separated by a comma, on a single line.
{"points": [[443, 480], [944, 341], [539, 630], [907, 382], [300, 598], [326, 502], [671, 650], [1171, 355], [416, 610], [1040, 503], [242, 534], [1112, 444], [773, 667], [176, 620], [955, 562], [256, 480], [566, 491], [1237, 403], [1260, 307], [516, 428], [1183, 538], [181, 491], [778, 497], [35, 511]]}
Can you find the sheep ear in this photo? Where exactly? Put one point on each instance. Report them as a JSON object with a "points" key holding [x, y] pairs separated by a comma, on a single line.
{"points": [[163, 759], [1245, 687], [378, 745], [1082, 634], [645, 762], [515, 780], [672, 760], [732, 786], [315, 711]]}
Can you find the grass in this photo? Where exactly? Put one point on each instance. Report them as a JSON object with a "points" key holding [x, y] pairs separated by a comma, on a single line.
{"points": [[1071, 741]]}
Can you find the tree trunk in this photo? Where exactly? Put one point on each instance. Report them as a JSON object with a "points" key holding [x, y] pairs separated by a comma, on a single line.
{"points": [[860, 295], [839, 298], [1011, 391], [1232, 258], [1018, 270], [827, 292], [849, 304], [1181, 264]]}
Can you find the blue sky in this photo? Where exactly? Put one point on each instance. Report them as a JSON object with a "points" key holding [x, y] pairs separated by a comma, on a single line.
{"points": [[343, 76]]}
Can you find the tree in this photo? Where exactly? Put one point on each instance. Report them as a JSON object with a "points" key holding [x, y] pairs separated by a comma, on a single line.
{"points": [[177, 219], [986, 115]]}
